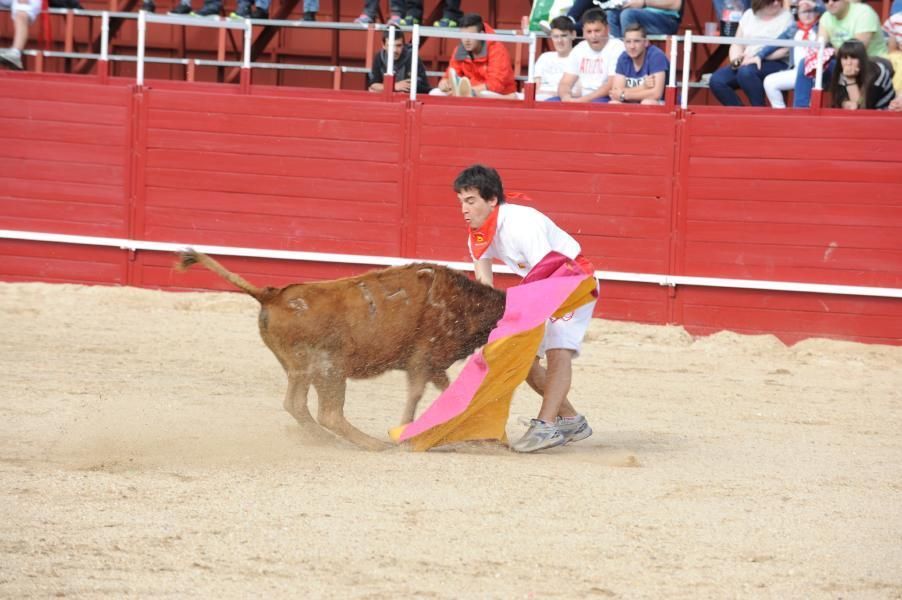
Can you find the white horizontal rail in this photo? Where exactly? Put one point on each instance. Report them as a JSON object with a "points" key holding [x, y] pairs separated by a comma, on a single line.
{"points": [[360, 259]]}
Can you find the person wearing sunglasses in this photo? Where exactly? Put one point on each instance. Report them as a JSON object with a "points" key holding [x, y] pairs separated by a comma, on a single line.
{"points": [[803, 29], [844, 20]]}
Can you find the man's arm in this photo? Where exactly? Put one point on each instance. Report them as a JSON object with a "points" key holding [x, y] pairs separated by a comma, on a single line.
{"points": [[565, 87], [483, 270], [618, 87]]}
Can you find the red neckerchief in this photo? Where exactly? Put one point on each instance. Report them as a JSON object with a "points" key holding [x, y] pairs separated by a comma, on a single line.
{"points": [[481, 237], [807, 29]]}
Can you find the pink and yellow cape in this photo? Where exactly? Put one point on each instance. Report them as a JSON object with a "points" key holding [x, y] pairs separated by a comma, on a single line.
{"points": [[476, 405]]}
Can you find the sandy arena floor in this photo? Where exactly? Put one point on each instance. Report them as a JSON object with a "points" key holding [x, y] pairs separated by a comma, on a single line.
{"points": [[144, 451]]}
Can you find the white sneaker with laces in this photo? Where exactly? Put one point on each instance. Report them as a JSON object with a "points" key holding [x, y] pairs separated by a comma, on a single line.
{"points": [[12, 57], [574, 429], [539, 436]]}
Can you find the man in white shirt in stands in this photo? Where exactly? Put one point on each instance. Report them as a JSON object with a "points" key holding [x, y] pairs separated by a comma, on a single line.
{"points": [[551, 65], [521, 237], [592, 62]]}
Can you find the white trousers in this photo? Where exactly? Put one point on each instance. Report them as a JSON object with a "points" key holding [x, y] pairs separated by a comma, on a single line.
{"points": [[777, 83]]}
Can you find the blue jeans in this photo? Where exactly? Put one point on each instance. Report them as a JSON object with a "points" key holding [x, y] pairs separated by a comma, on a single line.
{"points": [[718, 7], [749, 77], [655, 23], [896, 7], [309, 5], [602, 100], [801, 96]]}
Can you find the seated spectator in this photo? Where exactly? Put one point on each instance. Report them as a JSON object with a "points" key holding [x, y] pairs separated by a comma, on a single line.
{"points": [[403, 55], [657, 17], [588, 76], [765, 19], [804, 29], [23, 13], [860, 81], [893, 29], [484, 67], [844, 20], [641, 71], [549, 68]]}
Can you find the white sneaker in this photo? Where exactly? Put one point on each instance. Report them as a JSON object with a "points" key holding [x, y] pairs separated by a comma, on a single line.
{"points": [[539, 436], [574, 429], [12, 57], [609, 4]]}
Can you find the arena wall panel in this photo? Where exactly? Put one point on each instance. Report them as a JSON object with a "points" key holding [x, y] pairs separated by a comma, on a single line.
{"points": [[707, 193]]}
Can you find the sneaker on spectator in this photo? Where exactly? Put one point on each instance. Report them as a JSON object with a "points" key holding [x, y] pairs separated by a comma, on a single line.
{"points": [[181, 9], [11, 57], [445, 22], [539, 436], [242, 11], [409, 21], [394, 21], [309, 16], [148, 6], [609, 4], [545, 26], [464, 88], [209, 9], [259, 13], [364, 19], [574, 429]]}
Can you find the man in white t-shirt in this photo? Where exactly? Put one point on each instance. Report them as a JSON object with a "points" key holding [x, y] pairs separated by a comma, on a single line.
{"points": [[23, 14], [551, 65], [592, 62], [520, 236]]}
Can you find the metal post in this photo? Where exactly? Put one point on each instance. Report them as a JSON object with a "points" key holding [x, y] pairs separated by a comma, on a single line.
{"points": [[687, 55], [142, 26], [531, 66], [415, 59], [671, 82], [819, 68], [390, 53], [105, 36]]}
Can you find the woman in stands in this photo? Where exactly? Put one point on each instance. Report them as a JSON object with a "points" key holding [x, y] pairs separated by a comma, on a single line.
{"points": [[766, 19], [861, 81]]}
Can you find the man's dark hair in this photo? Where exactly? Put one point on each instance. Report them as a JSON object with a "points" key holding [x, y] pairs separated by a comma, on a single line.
{"points": [[636, 26], [483, 179], [564, 23], [399, 35], [595, 15], [472, 20]]}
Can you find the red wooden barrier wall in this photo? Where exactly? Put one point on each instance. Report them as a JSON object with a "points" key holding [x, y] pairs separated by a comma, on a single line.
{"points": [[746, 194]]}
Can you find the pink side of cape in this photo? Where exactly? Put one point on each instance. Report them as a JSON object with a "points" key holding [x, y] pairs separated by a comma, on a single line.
{"points": [[528, 305]]}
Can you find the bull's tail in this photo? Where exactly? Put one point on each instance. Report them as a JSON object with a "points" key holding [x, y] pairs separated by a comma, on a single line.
{"points": [[190, 257]]}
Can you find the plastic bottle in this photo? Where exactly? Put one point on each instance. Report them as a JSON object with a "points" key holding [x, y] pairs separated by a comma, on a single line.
{"points": [[729, 19]]}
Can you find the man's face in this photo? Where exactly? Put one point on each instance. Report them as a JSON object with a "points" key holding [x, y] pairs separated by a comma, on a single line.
{"points": [[836, 8], [596, 34], [469, 44], [399, 46], [475, 208], [635, 43], [562, 40]]}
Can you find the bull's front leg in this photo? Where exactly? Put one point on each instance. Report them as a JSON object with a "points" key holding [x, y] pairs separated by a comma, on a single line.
{"points": [[416, 385], [330, 414]]}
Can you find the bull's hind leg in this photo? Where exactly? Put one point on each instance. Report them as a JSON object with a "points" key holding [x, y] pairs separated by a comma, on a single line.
{"points": [[330, 414], [296, 401]]}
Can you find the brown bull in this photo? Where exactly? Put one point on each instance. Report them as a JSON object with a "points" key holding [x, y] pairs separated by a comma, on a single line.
{"points": [[419, 318]]}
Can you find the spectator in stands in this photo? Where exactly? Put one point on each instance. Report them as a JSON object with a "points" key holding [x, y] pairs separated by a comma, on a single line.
{"points": [[641, 70], [403, 55], [892, 27], [248, 9], [549, 68], [747, 70], [843, 21], [23, 13], [860, 81], [209, 8], [588, 76], [409, 13], [804, 29], [484, 67], [657, 17]]}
